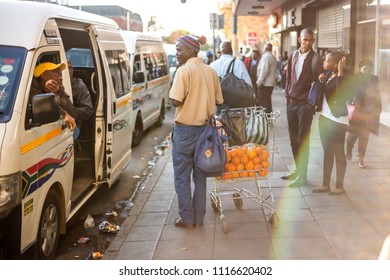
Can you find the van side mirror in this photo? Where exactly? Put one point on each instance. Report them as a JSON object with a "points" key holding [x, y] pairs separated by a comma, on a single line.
{"points": [[139, 77], [44, 109]]}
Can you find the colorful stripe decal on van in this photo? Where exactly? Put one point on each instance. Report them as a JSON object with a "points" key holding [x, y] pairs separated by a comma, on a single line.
{"points": [[39, 141], [38, 174], [124, 102], [158, 81]]}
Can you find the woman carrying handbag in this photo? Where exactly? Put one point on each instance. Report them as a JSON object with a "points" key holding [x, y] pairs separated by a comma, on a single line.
{"points": [[368, 98]]}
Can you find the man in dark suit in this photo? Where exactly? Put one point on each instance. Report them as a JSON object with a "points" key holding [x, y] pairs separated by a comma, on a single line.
{"points": [[301, 72]]}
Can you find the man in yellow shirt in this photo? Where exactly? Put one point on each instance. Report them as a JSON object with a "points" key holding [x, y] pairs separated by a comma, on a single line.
{"points": [[194, 93]]}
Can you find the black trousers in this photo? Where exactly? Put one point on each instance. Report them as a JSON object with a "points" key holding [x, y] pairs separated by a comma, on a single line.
{"points": [[360, 133], [264, 98], [299, 118], [332, 135]]}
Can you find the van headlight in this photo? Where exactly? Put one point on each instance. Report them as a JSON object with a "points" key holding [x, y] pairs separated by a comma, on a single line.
{"points": [[10, 191]]}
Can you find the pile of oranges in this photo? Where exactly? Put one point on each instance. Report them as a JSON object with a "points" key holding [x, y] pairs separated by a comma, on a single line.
{"points": [[246, 161]]}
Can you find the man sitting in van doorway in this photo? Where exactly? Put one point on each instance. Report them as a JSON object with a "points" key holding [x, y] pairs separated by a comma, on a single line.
{"points": [[48, 78], [81, 98]]}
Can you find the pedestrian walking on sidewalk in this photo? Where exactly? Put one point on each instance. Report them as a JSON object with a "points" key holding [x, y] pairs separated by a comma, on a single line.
{"points": [[301, 72], [367, 95], [333, 121], [195, 93], [266, 78]]}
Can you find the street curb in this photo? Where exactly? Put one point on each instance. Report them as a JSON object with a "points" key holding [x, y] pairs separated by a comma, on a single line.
{"points": [[139, 202]]}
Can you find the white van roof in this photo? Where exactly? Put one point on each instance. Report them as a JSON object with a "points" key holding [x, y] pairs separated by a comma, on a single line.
{"points": [[22, 22], [130, 37]]}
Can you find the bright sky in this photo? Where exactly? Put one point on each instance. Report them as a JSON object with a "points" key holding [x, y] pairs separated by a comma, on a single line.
{"points": [[192, 16]]}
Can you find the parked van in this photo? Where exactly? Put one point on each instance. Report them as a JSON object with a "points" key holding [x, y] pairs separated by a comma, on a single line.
{"points": [[150, 81], [44, 180]]}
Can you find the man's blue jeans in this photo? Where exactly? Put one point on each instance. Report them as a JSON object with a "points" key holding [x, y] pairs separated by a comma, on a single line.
{"points": [[192, 207]]}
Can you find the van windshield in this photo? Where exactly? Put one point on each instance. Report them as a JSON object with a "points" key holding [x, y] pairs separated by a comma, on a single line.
{"points": [[11, 64]]}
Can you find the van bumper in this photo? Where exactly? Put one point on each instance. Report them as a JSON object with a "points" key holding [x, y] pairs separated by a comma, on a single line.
{"points": [[10, 228]]}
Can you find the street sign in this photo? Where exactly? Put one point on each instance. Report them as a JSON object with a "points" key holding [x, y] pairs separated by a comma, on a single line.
{"points": [[213, 21], [216, 21], [251, 38]]}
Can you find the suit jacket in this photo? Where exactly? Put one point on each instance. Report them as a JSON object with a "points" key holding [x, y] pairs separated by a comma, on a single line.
{"points": [[298, 91]]}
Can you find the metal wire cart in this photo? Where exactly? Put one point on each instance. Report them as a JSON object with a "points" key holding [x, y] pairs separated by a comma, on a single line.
{"points": [[245, 164]]}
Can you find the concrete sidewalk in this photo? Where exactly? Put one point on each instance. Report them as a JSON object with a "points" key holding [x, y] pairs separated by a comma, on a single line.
{"points": [[353, 225]]}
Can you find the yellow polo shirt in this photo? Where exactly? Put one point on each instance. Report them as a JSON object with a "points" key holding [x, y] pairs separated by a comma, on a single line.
{"points": [[197, 86]]}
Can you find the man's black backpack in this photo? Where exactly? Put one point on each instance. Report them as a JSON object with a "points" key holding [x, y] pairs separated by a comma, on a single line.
{"points": [[236, 92]]}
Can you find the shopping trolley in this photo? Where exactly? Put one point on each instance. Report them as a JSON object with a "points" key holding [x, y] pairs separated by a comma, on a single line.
{"points": [[260, 172]]}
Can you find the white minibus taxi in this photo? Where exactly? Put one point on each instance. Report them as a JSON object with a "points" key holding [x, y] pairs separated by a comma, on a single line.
{"points": [[44, 177], [150, 81]]}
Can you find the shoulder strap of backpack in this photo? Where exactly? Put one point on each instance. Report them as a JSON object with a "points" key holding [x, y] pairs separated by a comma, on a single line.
{"points": [[231, 65], [314, 66]]}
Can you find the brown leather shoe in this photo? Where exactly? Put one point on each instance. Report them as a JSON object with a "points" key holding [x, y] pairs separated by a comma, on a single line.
{"points": [[179, 223], [336, 191], [321, 189]]}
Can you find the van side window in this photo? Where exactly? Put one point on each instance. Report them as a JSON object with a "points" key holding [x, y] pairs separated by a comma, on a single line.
{"points": [[120, 71], [35, 87], [162, 64], [137, 64], [149, 66]]}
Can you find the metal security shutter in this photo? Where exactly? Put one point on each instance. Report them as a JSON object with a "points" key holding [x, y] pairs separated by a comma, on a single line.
{"points": [[330, 26]]}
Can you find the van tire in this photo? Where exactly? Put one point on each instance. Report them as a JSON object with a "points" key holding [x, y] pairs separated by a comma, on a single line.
{"points": [[138, 131], [161, 117], [49, 228]]}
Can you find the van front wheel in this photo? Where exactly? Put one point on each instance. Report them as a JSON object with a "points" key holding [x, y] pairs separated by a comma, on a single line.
{"points": [[48, 231]]}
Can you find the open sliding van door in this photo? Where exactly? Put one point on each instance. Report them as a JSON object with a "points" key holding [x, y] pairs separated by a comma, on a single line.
{"points": [[117, 101]]}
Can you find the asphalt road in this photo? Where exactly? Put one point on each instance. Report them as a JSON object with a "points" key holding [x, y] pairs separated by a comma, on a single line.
{"points": [[112, 205]]}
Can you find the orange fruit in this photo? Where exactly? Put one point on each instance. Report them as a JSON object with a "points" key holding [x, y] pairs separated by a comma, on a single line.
{"points": [[230, 167], [249, 166], [232, 153], [244, 159], [252, 174], [239, 167], [265, 164], [235, 174], [259, 149], [243, 174], [256, 160], [252, 153], [263, 172], [244, 150], [257, 167], [227, 176], [236, 160], [264, 155], [239, 152]]}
